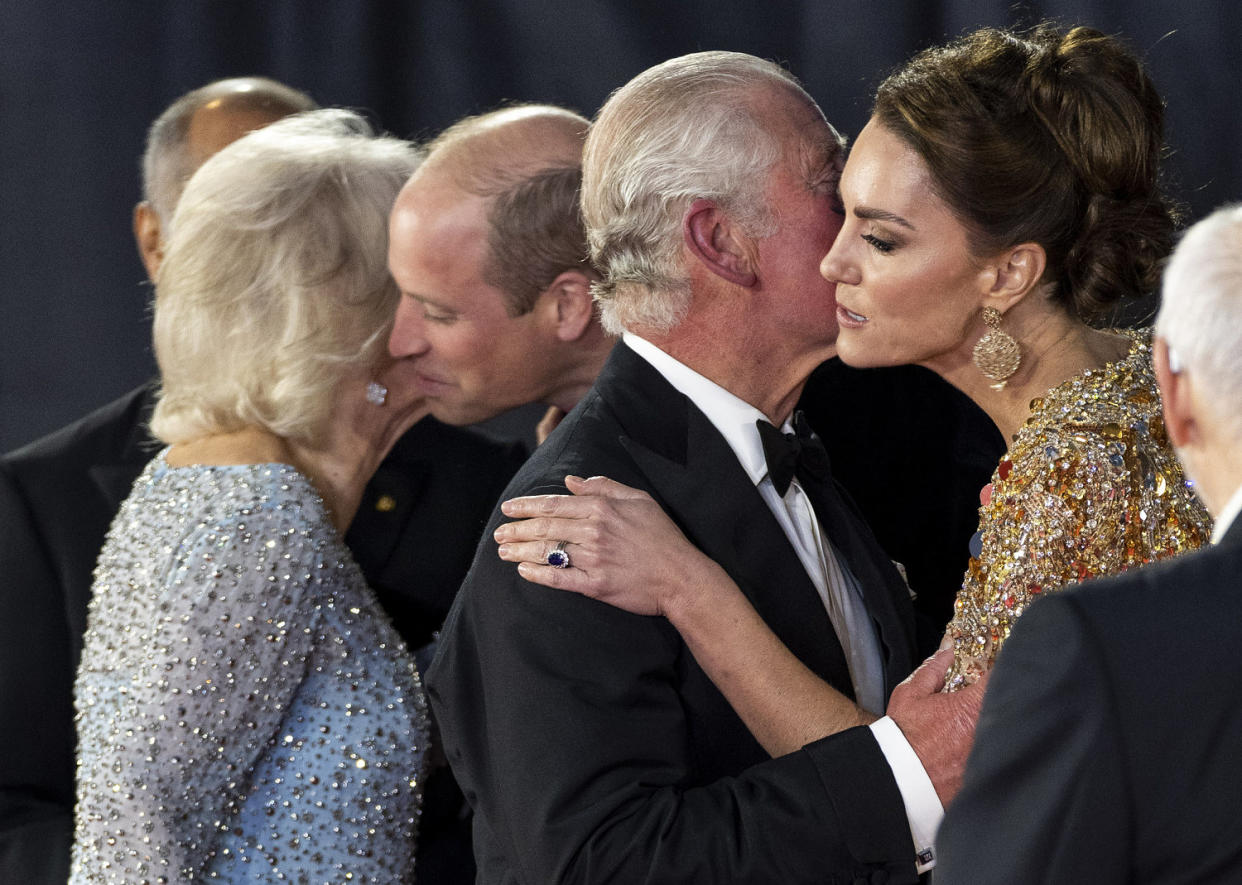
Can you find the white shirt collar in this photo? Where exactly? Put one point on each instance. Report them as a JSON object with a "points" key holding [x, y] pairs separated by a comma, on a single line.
{"points": [[1227, 515], [734, 418]]}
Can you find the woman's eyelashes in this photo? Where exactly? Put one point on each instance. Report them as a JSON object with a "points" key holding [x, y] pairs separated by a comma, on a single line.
{"points": [[879, 244]]}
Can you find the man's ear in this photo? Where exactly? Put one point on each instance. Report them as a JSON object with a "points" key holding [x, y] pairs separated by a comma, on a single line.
{"points": [[1176, 397], [1014, 273], [147, 235], [570, 304], [718, 244]]}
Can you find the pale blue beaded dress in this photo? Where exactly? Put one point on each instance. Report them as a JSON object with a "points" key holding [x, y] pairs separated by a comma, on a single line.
{"points": [[246, 712]]}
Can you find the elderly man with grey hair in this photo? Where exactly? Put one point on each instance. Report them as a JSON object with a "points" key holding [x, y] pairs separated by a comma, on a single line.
{"points": [[1110, 746], [590, 743]]}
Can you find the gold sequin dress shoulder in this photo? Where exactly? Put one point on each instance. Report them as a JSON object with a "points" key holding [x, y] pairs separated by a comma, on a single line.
{"points": [[1089, 487], [245, 710]]}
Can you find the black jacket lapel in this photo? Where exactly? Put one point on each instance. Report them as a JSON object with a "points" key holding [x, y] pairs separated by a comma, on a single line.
{"points": [[705, 490]]}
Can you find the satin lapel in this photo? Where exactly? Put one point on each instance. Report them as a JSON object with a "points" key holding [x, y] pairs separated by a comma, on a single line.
{"points": [[701, 485], [886, 595]]}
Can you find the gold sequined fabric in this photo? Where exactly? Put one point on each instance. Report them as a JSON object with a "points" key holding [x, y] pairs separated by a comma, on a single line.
{"points": [[246, 712], [1089, 487]]}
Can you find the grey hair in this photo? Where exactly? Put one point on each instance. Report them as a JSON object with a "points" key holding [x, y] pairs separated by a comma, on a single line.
{"points": [[274, 286], [1201, 309], [166, 164], [683, 130]]}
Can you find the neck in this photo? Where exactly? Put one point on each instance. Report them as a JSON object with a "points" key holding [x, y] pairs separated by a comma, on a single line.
{"points": [[339, 468], [1213, 462], [575, 378], [1055, 348], [338, 482], [766, 376]]}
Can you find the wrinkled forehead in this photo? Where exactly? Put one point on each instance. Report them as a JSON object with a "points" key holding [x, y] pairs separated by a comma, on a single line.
{"points": [[809, 142]]}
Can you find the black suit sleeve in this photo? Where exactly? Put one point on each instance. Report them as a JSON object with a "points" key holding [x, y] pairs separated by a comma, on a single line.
{"points": [[37, 738], [566, 727], [1044, 797]]}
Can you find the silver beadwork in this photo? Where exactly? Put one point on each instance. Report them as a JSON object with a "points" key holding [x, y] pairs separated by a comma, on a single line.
{"points": [[244, 706]]}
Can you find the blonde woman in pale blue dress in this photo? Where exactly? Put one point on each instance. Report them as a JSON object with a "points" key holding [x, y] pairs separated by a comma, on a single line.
{"points": [[246, 712]]}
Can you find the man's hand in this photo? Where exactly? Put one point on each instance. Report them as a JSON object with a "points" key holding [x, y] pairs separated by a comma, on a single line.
{"points": [[940, 726]]}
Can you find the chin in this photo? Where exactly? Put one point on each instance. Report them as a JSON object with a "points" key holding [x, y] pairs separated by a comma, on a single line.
{"points": [[858, 359], [854, 353], [455, 414]]}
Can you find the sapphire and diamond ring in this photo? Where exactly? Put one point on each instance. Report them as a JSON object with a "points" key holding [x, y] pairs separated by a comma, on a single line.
{"points": [[557, 557]]}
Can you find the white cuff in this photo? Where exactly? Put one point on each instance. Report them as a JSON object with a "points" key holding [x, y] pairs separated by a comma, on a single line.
{"points": [[923, 809]]}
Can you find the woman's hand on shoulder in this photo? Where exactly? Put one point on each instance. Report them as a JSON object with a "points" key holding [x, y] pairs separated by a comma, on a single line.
{"points": [[622, 548]]}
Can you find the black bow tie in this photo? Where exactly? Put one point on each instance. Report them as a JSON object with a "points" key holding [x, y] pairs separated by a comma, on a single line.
{"points": [[800, 453]]}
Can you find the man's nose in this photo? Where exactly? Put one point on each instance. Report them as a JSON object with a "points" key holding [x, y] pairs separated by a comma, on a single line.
{"points": [[408, 336]]}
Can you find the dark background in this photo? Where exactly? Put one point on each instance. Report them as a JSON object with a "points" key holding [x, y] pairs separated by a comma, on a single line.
{"points": [[81, 81]]}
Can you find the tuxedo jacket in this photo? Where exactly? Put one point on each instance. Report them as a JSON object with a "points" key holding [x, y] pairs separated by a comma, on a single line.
{"points": [[414, 537], [589, 742], [913, 452], [1109, 748]]}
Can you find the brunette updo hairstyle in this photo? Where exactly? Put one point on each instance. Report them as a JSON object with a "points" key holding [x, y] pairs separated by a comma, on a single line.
{"points": [[1049, 137]]}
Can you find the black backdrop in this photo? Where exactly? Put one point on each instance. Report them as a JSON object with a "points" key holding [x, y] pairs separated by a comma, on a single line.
{"points": [[81, 81]]}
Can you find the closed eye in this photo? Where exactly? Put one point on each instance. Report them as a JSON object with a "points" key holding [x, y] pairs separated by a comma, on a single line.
{"points": [[432, 317], [879, 245]]}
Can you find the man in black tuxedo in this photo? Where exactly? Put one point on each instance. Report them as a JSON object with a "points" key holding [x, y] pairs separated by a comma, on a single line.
{"points": [[1110, 744], [413, 537], [588, 741]]}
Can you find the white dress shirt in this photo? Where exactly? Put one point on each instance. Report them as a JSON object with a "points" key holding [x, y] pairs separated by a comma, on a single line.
{"points": [[838, 589], [1226, 517]]}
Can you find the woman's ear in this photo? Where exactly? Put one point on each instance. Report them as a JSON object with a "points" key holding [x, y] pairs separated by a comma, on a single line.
{"points": [[717, 242], [1014, 273]]}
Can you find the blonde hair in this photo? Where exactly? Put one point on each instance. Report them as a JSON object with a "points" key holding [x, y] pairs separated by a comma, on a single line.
{"points": [[274, 284]]}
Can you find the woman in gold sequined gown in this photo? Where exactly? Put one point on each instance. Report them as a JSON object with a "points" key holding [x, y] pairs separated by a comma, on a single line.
{"points": [[1001, 202]]}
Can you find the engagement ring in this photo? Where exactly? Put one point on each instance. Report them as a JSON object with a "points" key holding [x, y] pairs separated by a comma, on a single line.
{"points": [[557, 557]]}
